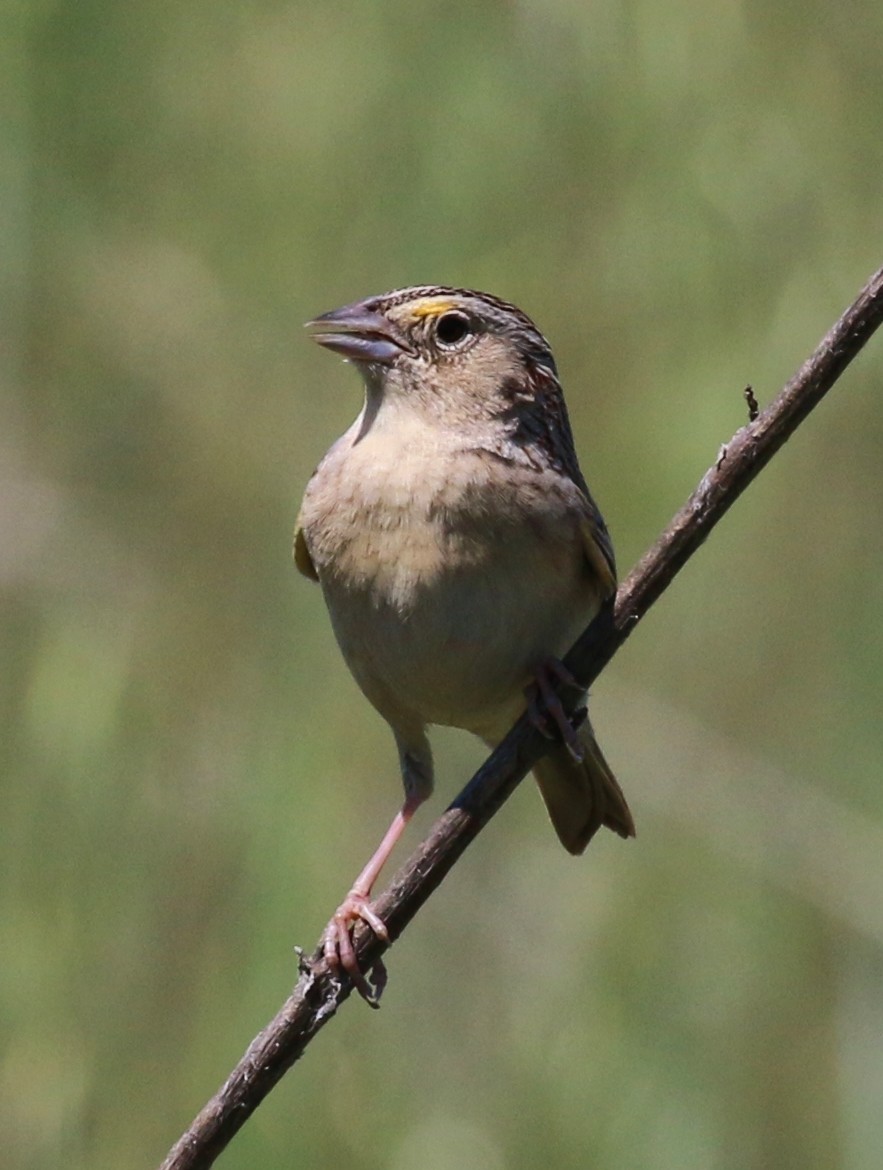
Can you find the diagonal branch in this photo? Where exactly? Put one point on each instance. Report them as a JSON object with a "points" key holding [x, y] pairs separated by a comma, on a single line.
{"points": [[318, 994]]}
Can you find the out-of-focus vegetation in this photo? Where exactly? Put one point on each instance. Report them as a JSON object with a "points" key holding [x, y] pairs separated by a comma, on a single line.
{"points": [[684, 196]]}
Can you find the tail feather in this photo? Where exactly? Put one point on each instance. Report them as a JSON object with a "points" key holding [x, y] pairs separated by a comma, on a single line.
{"points": [[581, 797]]}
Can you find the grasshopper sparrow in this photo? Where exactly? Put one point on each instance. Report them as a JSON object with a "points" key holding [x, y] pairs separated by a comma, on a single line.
{"points": [[459, 550]]}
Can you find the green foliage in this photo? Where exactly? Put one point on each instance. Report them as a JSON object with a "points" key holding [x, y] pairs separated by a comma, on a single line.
{"points": [[684, 196]]}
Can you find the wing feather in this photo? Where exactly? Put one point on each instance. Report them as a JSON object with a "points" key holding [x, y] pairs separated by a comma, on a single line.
{"points": [[302, 558]]}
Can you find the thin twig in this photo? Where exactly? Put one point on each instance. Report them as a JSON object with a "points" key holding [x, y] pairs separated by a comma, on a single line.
{"points": [[318, 994], [753, 408]]}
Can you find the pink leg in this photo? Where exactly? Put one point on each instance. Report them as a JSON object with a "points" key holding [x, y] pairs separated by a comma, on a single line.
{"points": [[544, 704], [337, 940]]}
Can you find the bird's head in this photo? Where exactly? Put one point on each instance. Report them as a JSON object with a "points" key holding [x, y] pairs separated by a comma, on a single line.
{"points": [[444, 352]]}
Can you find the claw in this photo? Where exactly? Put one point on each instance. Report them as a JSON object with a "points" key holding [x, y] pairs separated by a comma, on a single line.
{"points": [[545, 709], [337, 945]]}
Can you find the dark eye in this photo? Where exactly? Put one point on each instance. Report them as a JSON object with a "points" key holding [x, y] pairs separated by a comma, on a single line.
{"points": [[452, 328]]}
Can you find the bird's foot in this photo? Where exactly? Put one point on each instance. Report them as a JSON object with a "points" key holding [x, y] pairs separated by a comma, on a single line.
{"points": [[545, 709], [340, 954]]}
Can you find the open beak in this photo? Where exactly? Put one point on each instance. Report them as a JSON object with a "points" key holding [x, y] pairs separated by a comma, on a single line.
{"points": [[360, 334]]}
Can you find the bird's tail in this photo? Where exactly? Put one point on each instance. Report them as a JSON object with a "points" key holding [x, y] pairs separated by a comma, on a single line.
{"points": [[581, 797]]}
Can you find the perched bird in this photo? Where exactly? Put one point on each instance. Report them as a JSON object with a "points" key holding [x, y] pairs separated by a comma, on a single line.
{"points": [[459, 550]]}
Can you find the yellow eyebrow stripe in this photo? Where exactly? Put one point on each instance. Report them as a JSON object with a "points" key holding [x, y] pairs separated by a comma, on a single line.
{"points": [[431, 307]]}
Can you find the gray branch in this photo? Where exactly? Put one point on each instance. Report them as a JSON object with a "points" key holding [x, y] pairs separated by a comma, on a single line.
{"points": [[318, 994]]}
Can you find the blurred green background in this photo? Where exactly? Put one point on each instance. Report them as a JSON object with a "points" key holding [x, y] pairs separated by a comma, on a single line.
{"points": [[684, 196]]}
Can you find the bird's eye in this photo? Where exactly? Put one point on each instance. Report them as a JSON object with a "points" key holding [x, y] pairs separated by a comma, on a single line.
{"points": [[452, 328]]}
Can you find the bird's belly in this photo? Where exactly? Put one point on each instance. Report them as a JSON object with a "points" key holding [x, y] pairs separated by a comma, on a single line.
{"points": [[455, 641]]}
